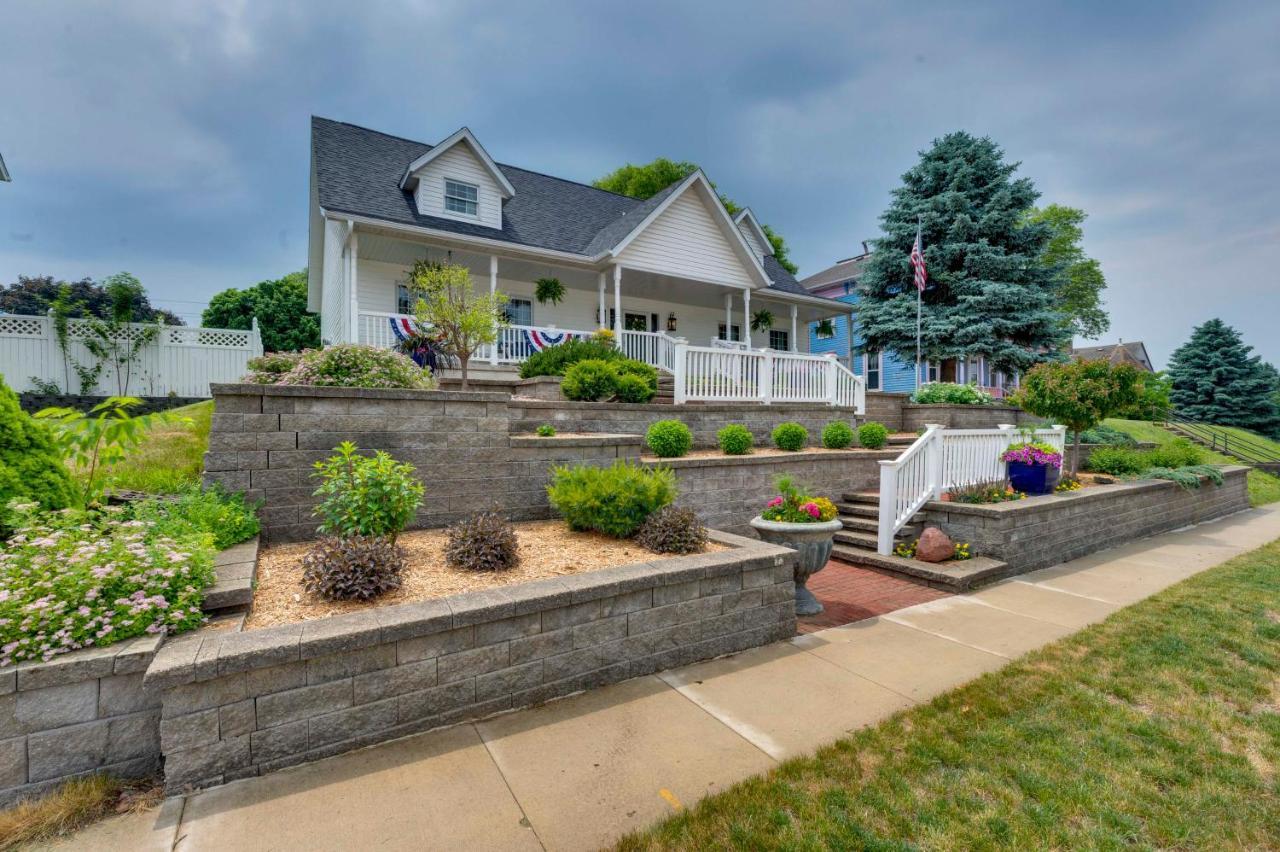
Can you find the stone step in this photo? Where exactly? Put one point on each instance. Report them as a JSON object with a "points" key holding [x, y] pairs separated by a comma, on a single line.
{"points": [[872, 526], [234, 570], [951, 576], [863, 540], [864, 498], [859, 510]]}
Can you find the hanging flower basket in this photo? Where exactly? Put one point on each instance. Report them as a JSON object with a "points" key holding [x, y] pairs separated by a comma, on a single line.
{"points": [[548, 290], [1034, 467]]}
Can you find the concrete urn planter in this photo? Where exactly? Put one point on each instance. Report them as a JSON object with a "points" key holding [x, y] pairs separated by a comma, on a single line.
{"points": [[813, 543]]}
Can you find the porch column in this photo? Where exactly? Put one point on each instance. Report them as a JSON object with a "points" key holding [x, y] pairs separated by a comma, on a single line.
{"points": [[849, 347], [602, 318], [746, 317], [493, 291], [728, 315], [795, 337], [353, 252], [617, 305]]}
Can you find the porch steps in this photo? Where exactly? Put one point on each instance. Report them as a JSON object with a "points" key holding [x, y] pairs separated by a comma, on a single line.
{"points": [[856, 545]]}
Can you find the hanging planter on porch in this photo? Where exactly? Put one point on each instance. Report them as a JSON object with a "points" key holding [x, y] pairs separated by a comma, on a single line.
{"points": [[762, 320], [548, 290], [825, 328]]}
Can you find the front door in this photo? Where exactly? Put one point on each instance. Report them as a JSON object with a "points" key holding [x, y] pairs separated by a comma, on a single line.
{"points": [[635, 322]]}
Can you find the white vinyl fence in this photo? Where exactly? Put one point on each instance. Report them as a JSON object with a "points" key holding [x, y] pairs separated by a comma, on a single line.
{"points": [[181, 361], [941, 459]]}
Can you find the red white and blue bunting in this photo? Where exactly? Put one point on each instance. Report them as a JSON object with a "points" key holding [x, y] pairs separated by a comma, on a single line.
{"points": [[404, 327], [539, 340]]}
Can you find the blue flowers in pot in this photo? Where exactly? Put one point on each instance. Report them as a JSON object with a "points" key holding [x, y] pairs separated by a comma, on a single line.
{"points": [[1034, 466]]}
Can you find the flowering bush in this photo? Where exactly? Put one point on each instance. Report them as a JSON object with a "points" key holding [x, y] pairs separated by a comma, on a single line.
{"points": [[1066, 484], [947, 393], [793, 506], [354, 365], [985, 492], [72, 579], [1032, 452]]}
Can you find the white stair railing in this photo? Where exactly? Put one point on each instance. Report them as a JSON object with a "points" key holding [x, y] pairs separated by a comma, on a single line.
{"points": [[655, 348], [718, 374], [940, 459]]}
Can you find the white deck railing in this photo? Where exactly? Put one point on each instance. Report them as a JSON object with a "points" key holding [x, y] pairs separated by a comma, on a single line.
{"points": [[941, 459], [651, 347]]}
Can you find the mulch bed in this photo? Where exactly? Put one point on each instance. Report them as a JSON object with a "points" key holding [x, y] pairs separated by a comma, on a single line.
{"points": [[547, 549]]}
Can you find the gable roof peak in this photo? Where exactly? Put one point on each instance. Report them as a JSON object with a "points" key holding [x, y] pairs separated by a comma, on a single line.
{"points": [[461, 136], [746, 214]]}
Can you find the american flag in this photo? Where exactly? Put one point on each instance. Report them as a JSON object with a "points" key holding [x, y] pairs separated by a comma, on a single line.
{"points": [[917, 263]]}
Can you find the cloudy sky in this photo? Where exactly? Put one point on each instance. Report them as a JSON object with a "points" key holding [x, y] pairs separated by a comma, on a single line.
{"points": [[171, 138]]}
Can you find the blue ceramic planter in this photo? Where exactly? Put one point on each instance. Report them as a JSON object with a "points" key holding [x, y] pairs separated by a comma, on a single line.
{"points": [[1033, 478]]}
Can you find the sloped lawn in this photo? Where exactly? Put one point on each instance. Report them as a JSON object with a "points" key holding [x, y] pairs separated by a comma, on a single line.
{"points": [[1159, 728], [171, 457], [1264, 488]]}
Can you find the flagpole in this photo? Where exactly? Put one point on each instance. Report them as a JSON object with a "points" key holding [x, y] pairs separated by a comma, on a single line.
{"points": [[919, 294]]}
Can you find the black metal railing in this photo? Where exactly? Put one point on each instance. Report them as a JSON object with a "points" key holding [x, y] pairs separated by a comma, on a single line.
{"points": [[1249, 449]]}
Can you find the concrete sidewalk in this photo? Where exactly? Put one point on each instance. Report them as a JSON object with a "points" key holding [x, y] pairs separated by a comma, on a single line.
{"points": [[578, 773]]}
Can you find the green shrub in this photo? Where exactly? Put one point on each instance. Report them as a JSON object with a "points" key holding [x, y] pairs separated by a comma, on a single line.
{"points": [[612, 500], [589, 381], [483, 542], [634, 388], [1179, 452], [1117, 461], [224, 516], [365, 496], [354, 567], [1187, 476], [72, 579], [546, 430], [837, 435], [947, 393], [669, 439], [354, 365], [1103, 434], [735, 440], [556, 360], [632, 367], [269, 368], [872, 435], [790, 436], [672, 530], [31, 466]]}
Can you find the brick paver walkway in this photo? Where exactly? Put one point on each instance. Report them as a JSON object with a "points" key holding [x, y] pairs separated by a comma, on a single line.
{"points": [[851, 594]]}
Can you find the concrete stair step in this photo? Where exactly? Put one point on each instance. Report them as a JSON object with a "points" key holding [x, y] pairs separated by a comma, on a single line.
{"points": [[859, 510], [872, 526], [865, 498], [952, 576], [863, 540]]}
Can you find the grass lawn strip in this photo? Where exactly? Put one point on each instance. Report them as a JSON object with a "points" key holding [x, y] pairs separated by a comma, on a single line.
{"points": [[1159, 727], [170, 457], [1264, 488]]}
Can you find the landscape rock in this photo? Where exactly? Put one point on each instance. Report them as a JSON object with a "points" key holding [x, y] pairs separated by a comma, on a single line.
{"points": [[934, 546]]}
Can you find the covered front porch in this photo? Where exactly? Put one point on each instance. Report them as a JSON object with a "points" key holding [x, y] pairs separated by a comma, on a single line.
{"points": [[698, 331]]}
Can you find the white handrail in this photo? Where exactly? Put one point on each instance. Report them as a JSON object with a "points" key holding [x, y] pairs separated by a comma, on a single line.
{"points": [[719, 374], [655, 348], [940, 459]]}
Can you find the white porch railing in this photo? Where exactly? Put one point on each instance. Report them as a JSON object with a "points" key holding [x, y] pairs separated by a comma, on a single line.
{"points": [[940, 459], [651, 347], [518, 342], [714, 374]]}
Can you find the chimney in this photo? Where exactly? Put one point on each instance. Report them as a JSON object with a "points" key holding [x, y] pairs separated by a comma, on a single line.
{"points": [[865, 250]]}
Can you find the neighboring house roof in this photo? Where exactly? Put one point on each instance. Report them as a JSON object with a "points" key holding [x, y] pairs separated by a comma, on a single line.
{"points": [[4, 172], [1133, 352], [844, 270], [362, 172]]}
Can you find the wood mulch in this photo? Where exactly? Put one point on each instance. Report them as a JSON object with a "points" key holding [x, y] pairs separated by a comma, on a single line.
{"points": [[547, 549], [757, 451]]}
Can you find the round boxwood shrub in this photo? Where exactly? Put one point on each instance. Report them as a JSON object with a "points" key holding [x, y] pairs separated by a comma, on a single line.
{"points": [[837, 435], [633, 388], [790, 436], [613, 500], [354, 365], [735, 440], [589, 381], [872, 435], [632, 367], [669, 439]]}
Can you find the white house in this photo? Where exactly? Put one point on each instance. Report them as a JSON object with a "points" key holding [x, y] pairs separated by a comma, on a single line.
{"points": [[672, 275]]}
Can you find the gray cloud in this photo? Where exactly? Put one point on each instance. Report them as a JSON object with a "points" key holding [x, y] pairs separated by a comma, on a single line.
{"points": [[170, 139]]}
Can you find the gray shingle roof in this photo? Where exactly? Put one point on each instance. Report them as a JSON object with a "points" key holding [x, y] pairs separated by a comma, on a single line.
{"points": [[358, 171], [845, 270]]}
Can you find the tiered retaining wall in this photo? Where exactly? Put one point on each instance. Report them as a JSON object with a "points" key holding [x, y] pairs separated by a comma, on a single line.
{"points": [[241, 704], [1044, 531], [916, 417], [83, 712]]}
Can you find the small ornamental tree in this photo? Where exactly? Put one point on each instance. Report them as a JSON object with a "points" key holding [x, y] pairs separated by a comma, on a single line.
{"points": [[1078, 394], [463, 320]]}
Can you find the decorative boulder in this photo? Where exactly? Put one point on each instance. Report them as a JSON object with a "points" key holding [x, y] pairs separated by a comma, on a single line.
{"points": [[934, 546]]}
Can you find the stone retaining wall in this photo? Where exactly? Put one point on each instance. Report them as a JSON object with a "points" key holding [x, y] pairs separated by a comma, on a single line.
{"points": [[916, 417], [79, 713], [1044, 531], [728, 491], [241, 704]]}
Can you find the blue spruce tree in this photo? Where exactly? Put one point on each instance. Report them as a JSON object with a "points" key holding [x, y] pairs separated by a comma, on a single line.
{"points": [[987, 294], [1216, 380]]}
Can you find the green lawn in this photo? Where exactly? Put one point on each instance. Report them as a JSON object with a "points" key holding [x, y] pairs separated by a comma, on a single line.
{"points": [[171, 457], [1263, 487], [1159, 728]]}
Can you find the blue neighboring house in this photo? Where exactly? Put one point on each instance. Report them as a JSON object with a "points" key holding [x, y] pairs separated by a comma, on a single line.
{"points": [[882, 370]]}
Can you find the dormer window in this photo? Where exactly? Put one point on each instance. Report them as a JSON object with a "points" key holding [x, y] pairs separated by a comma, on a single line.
{"points": [[461, 197]]}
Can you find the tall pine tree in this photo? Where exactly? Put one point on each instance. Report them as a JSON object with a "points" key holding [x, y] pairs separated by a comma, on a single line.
{"points": [[1215, 380], [988, 293]]}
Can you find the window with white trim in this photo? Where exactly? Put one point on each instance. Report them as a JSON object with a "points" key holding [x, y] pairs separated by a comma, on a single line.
{"points": [[404, 301], [734, 334], [519, 311], [933, 372], [461, 197], [779, 339], [871, 369]]}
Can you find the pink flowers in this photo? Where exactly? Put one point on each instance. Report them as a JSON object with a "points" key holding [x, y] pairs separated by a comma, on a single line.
{"points": [[775, 502], [812, 509]]}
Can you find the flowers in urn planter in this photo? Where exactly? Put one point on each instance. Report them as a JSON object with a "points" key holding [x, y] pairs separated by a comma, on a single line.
{"points": [[794, 507], [1032, 452]]}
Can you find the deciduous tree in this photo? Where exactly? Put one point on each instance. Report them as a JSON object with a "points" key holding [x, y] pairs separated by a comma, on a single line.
{"points": [[1079, 281], [280, 307], [462, 319], [1078, 394]]}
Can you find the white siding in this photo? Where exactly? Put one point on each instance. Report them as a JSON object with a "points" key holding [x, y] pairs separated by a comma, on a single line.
{"points": [[686, 241], [749, 234], [335, 321], [459, 163]]}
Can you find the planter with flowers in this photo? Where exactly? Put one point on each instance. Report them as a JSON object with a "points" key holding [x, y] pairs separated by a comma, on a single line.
{"points": [[808, 526], [1034, 466]]}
